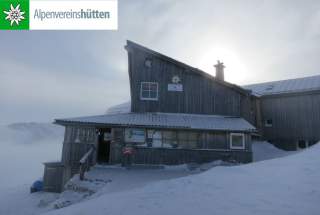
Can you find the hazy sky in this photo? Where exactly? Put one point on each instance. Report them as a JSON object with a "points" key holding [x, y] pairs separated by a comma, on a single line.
{"points": [[51, 74]]}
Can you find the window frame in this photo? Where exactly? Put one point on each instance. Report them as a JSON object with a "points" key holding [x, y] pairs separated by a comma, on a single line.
{"points": [[268, 124], [171, 141], [243, 141], [141, 90]]}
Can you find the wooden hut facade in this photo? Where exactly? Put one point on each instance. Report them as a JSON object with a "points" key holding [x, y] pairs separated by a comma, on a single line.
{"points": [[289, 111], [178, 114]]}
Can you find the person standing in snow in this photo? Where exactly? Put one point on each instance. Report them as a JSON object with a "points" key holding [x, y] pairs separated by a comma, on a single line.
{"points": [[127, 152]]}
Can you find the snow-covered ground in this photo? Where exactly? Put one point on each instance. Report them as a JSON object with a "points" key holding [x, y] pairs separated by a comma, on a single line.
{"points": [[287, 184]]}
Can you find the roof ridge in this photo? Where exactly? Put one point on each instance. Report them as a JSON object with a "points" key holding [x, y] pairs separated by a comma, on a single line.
{"points": [[281, 80]]}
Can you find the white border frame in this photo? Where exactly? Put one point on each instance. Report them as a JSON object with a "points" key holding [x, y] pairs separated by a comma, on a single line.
{"points": [[149, 99], [243, 141]]}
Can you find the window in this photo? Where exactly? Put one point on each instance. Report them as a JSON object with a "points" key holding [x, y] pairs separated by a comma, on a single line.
{"points": [[134, 135], [155, 138], [216, 141], [188, 140], [172, 139], [149, 91], [169, 139], [268, 123], [237, 141]]}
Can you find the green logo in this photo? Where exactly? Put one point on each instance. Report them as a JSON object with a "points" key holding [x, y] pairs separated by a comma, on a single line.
{"points": [[14, 14]]}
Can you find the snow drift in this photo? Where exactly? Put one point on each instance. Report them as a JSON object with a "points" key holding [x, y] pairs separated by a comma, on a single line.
{"points": [[120, 108], [263, 150]]}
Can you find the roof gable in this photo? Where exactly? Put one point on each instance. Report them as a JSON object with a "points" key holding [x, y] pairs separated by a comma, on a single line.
{"points": [[132, 45]]}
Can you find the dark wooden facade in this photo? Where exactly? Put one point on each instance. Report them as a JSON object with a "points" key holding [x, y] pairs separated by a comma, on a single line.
{"points": [[288, 120], [294, 117], [77, 141], [202, 93], [210, 146]]}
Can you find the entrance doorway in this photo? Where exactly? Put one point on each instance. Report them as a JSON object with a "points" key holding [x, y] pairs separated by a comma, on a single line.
{"points": [[104, 140]]}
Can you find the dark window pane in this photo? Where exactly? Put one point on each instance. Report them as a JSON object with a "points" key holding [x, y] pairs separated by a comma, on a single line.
{"points": [[145, 86], [153, 95], [145, 94], [193, 136], [153, 87], [237, 141], [182, 135]]}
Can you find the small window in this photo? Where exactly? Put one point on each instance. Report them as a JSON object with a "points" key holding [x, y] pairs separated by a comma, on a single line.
{"points": [[149, 91], [268, 123], [237, 141], [169, 139], [188, 140]]}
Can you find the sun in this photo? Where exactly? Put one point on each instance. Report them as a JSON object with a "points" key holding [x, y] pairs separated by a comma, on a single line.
{"points": [[235, 71]]}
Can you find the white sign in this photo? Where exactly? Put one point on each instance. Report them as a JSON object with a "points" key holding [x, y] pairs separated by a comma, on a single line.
{"points": [[134, 135], [175, 87], [74, 15]]}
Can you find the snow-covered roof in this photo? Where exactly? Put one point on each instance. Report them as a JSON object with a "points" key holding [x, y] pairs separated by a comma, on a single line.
{"points": [[286, 86], [165, 120], [120, 108]]}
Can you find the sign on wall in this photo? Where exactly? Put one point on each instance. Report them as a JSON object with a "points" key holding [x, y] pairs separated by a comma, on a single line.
{"points": [[176, 84], [175, 87], [134, 135]]}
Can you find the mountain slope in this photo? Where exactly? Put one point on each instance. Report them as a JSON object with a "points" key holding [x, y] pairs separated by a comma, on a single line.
{"points": [[28, 133]]}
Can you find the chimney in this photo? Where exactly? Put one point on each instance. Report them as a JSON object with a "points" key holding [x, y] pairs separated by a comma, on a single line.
{"points": [[219, 71]]}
